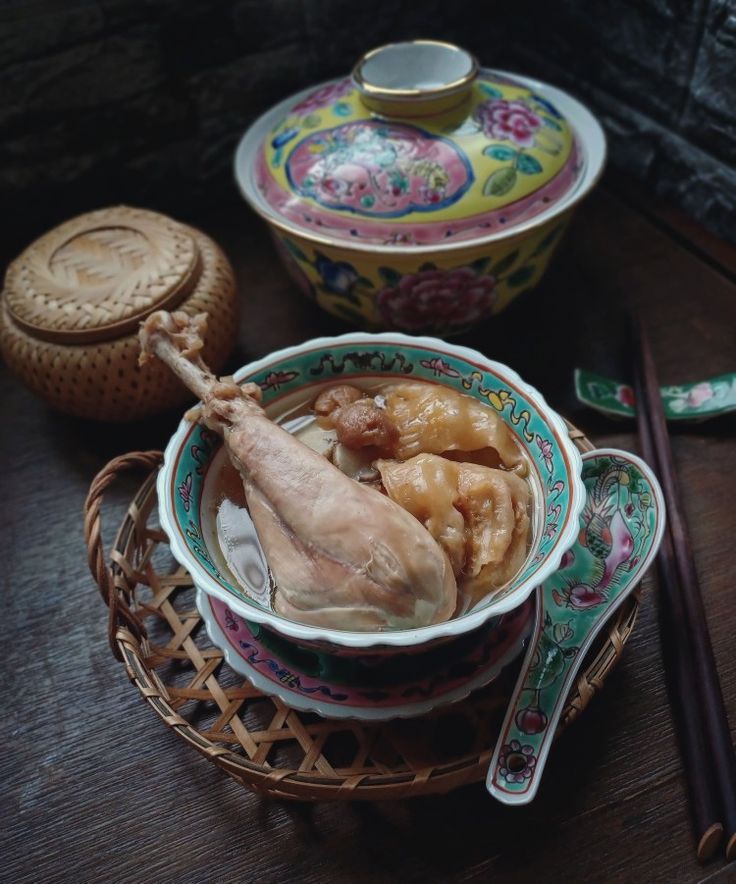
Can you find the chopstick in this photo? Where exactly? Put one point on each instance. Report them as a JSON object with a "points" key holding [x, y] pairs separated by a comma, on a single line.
{"points": [[700, 714]]}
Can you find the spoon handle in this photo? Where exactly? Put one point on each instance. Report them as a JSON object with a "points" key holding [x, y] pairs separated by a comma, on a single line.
{"points": [[528, 730], [620, 531]]}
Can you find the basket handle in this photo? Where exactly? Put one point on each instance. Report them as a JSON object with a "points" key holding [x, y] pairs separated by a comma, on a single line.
{"points": [[118, 609]]}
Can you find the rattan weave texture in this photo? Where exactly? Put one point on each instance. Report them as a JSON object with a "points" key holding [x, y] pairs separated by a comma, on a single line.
{"points": [[97, 275], [156, 631], [73, 300]]}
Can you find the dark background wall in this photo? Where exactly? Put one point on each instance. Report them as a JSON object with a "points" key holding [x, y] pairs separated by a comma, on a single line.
{"points": [[142, 101]]}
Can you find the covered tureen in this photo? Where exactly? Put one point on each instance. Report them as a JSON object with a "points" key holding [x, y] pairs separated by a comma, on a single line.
{"points": [[423, 192]]}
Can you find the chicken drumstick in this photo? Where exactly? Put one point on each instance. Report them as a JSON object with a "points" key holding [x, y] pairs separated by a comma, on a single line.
{"points": [[343, 555]]}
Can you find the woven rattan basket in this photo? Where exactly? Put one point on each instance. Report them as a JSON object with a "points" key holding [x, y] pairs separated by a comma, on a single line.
{"points": [[73, 301], [156, 631]]}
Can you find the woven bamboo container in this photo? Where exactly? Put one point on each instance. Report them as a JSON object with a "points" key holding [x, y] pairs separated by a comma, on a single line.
{"points": [[156, 632], [73, 301]]}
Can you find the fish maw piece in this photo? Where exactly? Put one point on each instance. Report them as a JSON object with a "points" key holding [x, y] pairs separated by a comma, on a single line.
{"points": [[486, 457], [478, 515], [432, 419], [495, 575], [493, 502], [426, 487]]}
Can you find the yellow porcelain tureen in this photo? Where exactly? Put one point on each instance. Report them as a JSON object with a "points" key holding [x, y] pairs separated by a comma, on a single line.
{"points": [[423, 193]]}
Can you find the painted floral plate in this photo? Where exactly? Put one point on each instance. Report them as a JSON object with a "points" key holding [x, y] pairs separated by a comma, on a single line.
{"points": [[365, 688]]}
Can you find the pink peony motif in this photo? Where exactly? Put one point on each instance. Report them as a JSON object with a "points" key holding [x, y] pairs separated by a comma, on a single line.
{"points": [[508, 121], [699, 394], [437, 299], [583, 597], [326, 95]]}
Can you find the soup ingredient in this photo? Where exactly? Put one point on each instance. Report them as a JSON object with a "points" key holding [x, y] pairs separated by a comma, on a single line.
{"points": [[342, 554], [242, 552], [334, 398], [435, 419], [410, 418], [438, 453], [478, 515], [363, 424], [359, 420]]}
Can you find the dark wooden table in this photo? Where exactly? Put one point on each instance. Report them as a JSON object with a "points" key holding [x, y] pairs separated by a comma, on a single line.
{"points": [[94, 787]]}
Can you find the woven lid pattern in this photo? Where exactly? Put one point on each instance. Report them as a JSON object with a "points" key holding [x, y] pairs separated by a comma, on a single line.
{"points": [[97, 275], [93, 371]]}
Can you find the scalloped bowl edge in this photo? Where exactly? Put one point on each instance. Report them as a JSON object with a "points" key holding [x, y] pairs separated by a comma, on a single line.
{"points": [[392, 640]]}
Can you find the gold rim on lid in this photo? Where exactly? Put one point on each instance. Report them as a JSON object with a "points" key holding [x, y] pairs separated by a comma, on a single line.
{"points": [[448, 67], [97, 276]]}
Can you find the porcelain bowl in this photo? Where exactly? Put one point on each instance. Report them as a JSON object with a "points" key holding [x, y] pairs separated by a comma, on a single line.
{"points": [[187, 482], [442, 287]]}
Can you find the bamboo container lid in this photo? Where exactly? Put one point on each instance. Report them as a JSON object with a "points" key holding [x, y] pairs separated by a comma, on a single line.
{"points": [[73, 301]]}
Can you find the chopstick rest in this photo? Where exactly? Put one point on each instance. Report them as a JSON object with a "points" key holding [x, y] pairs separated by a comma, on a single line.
{"points": [[685, 402]]}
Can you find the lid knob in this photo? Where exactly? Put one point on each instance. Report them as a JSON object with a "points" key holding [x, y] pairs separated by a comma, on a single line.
{"points": [[415, 78]]}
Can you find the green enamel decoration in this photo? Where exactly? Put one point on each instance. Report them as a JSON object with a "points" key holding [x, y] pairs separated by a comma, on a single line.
{"points": [[620, 531], [698, 401], [490, 91], [294, 249], [528, 165], [506, 263], [500, 152], [481, 265], [500, 182], [547, 240], [389, 276], [521, 276]]}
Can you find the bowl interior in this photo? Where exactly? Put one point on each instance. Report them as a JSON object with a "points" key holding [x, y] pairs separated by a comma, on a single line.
{"points": [[195, 454]]}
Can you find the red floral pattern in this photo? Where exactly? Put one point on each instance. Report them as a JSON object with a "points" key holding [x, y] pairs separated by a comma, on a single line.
{"points": [[625, 395], [508, 121], [437, 299]]}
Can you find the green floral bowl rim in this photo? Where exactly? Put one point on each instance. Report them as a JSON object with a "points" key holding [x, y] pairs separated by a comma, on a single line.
{"points": [[561, 506]]}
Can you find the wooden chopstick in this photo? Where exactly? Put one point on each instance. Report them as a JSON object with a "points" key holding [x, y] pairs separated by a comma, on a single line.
{"points": [[709, 758], [699, 769]]}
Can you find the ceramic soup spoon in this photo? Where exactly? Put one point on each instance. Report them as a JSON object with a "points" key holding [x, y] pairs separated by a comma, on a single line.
{"points": [[620, 531]]}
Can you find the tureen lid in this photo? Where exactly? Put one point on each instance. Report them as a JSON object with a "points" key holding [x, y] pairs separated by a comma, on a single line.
{"points": [[419, 146]]}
